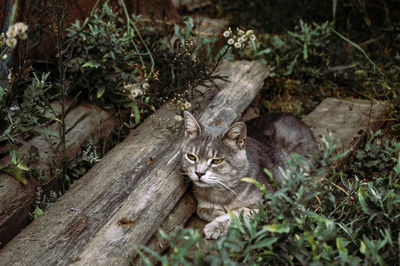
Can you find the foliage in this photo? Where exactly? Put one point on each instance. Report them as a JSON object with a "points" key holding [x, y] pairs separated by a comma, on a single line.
{"points": [[184, 59], [30, 118], [334, 48], [78, 167], [309, 223], [106, 57]]}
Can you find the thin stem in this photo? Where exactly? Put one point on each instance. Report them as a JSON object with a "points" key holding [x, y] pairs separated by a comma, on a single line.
{"points": [[129, 23], [359, 49], [61, 70]]}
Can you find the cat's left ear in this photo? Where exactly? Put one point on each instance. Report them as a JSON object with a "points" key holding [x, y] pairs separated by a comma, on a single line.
{"points": [[192, 128], [236, 134]]}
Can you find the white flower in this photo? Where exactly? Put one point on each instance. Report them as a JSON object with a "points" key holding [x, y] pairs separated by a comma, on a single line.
{"points": [[231, 41], [226, 34], [4, 57], [128, 86], [11, 33], [11, 42], [146, 85], [135, 93], [249, 32], [187, 105], [237, 45], [23, 36], [243, 39], [240, 32], [252, 37], [20, 27], [178, 118]]}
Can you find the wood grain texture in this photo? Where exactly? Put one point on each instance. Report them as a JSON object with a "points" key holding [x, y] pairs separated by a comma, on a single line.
{"points": [[122, 200], [15, 198], [175, 221], [348, 121]]}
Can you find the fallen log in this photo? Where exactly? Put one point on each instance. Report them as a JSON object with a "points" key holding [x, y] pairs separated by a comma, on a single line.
{"points": [[121, 201], [15, 198]]}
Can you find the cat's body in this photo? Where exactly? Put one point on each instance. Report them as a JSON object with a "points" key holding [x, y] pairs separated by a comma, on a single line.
{"points": [[216, 160]]}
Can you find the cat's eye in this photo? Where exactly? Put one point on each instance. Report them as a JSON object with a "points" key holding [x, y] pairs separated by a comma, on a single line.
{"points": [[217, 161], [191, 157]]}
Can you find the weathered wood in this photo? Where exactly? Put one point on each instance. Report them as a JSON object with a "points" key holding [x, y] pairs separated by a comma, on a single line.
{"points": [[15, 198], [123, 199], [191, 5], [175, 221], [347, 120]]}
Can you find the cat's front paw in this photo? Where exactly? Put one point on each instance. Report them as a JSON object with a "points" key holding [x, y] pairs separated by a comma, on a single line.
{"points": [[216, 228]]}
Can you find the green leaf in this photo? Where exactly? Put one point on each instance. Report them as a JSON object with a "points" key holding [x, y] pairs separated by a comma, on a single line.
{"points": [[363, 197], [45, 131], [277, 228], [397, 166], [100, 92], [55, 119], [15, 172], [91, 64], [145, 260], [251, 181], [37, 212], [266, 243], [135, 109], [1, 92]]}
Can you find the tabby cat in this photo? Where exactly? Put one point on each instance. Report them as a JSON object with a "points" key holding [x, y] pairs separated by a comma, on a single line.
{"points": [[217, 159]]}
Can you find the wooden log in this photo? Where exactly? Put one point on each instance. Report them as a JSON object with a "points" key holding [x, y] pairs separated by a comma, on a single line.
{"points": [[348, 121], [175, 221], [122, 200], [15, 198]]}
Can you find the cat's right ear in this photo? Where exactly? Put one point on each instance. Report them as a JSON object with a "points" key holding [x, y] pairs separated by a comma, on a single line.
{"points": [[192, 128], [236, 134]]}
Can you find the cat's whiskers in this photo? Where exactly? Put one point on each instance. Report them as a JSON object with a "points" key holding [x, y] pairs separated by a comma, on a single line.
{"points": [[228, 191]]}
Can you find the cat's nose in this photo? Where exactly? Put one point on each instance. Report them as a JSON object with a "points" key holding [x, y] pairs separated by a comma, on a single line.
{"points": [[199, 174]]}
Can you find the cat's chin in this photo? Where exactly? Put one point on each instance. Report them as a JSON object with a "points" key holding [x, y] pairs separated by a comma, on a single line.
{"points": [[201, 184]]}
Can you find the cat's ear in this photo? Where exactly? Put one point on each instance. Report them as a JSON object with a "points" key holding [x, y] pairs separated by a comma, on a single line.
{"points": [[192, 128], [236, 134]]}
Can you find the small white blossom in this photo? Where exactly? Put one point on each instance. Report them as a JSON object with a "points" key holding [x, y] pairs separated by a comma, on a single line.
{"points": [[231, 41], [146, 86], [187, 105], [4, 57], [11, 33], [243, 39], [128, 86], [252, 37], [237, 45], [135, 93], [249, 32], [226, 34], [11, 42], [178, 118], [20, 27], [240, 32], [23, 36]]}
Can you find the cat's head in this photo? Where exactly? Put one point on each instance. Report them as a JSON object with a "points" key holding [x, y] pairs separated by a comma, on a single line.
{"points": [[213, 157]]}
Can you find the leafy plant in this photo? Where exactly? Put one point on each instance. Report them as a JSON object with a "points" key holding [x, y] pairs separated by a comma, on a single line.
{"points": [[306, 223], [21, 122], [106, 57]]}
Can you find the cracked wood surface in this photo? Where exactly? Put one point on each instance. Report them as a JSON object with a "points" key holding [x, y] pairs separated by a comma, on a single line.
{"points": [[122, 200]]}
